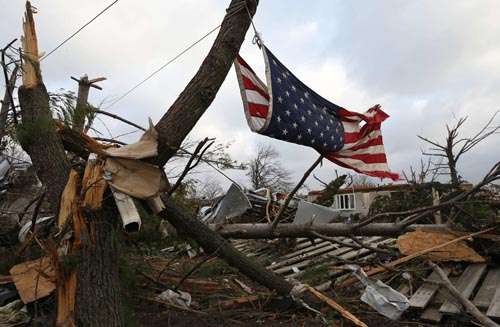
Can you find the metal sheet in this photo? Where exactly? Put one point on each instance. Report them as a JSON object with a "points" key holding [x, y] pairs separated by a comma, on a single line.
{"points": [[308, 212], [234, 204]]}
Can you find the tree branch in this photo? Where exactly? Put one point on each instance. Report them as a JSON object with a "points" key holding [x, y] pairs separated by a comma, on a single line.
{"points": [[297, 187]]}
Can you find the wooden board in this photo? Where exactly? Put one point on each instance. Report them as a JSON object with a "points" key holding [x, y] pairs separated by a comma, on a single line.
{"points": [[316, 256], [337, 257], [485, 294], [301, 257], [426, 291], [465, 285], [431, 313], [494, 308]]}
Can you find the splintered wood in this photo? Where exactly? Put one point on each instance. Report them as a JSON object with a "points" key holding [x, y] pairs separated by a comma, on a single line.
{"points": [[344, 312], [69, 198], [66, 280], [93, 185], [31, 64]]}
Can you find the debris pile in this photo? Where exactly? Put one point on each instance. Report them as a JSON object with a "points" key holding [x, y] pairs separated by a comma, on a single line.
{"points": [[81, 228]]}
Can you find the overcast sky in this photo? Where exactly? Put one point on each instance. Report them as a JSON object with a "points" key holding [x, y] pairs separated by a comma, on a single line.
{"points": [[426, 62]]}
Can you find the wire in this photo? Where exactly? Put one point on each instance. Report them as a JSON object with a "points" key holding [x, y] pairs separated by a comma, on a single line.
{"points": [[79, 30], [231, 11], [163, 66]]}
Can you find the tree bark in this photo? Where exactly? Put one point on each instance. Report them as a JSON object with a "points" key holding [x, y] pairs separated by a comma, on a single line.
{"points": [[258, 231], [98, 296], [81, 104], [195, 99], [39, 139], [213, 243]]}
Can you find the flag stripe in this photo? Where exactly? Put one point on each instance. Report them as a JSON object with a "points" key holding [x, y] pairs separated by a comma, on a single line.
{"points": [[257, 122], [258, 110], [252, 77], [249, 85], [372, 141], [244, 64], [359, 165], [367, 150], [255, 97], [369, 158]]}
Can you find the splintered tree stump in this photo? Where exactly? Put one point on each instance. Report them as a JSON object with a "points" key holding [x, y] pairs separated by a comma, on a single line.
{"points": [[98, 297]]}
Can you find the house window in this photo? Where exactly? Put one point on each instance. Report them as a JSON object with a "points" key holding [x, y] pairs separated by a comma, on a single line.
{"points": [[344, 202]]}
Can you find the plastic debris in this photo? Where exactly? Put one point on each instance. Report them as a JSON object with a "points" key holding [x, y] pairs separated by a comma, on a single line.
{"points": [[6, 295], [178, 298], [14, 314], [380, 296], [23, 232]]}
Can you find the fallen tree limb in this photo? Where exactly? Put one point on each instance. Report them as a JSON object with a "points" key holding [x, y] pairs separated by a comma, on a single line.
{"points": [[290, 195], [212, 242], [471, 308], [102, 112], [256, 231]]}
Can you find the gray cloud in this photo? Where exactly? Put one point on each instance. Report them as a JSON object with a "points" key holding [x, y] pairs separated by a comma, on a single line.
{"points": [[426, 62]]}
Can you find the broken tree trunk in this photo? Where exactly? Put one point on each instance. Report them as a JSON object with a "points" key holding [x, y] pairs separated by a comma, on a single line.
{"points": [[256, 231], [98, 288], [82, 105], [37, 133], [98, 292], [197, 96]]}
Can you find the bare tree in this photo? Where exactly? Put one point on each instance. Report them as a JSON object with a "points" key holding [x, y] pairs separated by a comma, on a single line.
{"points": [[209, 189], [421, 174], [454, 147], [265, 170]]}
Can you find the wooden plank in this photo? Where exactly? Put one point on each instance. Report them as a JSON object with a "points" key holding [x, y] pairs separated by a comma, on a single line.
{"points": [[431, 313], [485, 294], [302, 250], [466, 284], [494, 308], [426, 291], [341, 253], [330, 251]]}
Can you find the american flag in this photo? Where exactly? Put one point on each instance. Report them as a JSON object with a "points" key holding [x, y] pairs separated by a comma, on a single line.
{"points": [[288, 110]]}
